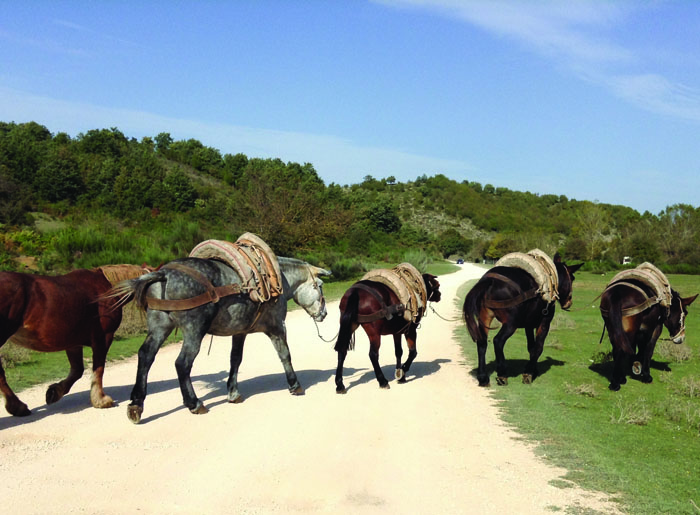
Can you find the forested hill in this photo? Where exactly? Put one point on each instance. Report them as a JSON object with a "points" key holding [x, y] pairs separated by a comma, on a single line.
{"points": [[102, 197]]}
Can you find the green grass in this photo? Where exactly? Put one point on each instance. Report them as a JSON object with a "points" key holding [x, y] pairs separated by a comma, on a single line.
{"points": [[641, 444]]}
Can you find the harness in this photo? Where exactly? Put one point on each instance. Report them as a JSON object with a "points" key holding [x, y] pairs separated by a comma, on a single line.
{"points": [[512, 302], [639, 308], [387, 312], [212, 294]]}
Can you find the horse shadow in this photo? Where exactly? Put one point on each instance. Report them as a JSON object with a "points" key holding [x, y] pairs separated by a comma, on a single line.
{"points": [[418, 369], [516, 367], [606, 369]]}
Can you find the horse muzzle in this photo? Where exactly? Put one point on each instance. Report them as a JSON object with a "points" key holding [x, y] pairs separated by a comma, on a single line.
{"points": [[320, 316], [678, 338]]}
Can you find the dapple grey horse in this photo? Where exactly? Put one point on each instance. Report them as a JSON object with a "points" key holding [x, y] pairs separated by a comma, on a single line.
{"points": [[232, 315]]}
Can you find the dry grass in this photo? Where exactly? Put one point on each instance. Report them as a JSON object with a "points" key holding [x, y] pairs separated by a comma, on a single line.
{"points": [[634, 412], [673, 352]]}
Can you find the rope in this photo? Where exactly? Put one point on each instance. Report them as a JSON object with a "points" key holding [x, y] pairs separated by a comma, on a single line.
{"points": [[318, 332], [458, 319]]}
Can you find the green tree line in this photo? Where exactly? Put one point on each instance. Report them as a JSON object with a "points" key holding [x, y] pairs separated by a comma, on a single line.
{"points": [[102, 196]]}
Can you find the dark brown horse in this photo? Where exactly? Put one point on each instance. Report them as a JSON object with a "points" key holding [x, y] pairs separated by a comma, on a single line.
{"points": [[634, 319], [376, 308], [510, 295], [62, 313]]}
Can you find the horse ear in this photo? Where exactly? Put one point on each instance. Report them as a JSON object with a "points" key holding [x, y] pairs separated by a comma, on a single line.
{"points": [[689, 300], [557, 258], [573, 268], [319, 271]]}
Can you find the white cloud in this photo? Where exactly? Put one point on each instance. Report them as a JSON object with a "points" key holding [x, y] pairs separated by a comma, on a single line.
{"points": [[575, 35]]}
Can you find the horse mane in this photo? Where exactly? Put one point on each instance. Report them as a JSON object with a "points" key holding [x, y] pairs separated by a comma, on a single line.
{"points": [[118, 273]]}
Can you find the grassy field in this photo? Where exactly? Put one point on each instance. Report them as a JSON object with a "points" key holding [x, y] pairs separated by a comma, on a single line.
{"points": [[641, 444]]}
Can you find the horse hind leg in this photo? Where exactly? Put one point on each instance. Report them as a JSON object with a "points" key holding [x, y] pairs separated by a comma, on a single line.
{"points": [[13, 405], [412, 353], [237, 344], [192, 341], [98, 397], [56, 391]]}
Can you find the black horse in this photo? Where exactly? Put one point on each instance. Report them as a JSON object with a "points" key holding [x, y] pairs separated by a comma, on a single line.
{"points": [[377, 308], [509, 294], [634, 319], [233, 315]]}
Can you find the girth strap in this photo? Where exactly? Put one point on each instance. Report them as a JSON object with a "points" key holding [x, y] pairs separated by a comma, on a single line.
{"points": [[514, 301], [212, 293]]}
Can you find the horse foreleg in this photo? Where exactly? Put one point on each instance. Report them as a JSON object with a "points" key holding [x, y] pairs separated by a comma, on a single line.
{"points": [[98, 397], [57, 390], [412, 352], [237, 343], [279, 342], [398, 351], [619, 366], [535, 346], [13, 405], [499, 342]]}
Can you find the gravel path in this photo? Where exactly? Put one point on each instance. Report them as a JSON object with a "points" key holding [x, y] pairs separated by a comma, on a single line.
{"points": [[432, 445]]}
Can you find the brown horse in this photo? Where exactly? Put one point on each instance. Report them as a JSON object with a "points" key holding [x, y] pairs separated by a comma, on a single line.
{"points": [[634, 319], [510, 295], [376, 308], [62, 313]]}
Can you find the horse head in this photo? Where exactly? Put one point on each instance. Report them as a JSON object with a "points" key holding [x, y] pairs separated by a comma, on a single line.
{"points": [[309, 294], [675, 321], [566, 280], [432, 287]]}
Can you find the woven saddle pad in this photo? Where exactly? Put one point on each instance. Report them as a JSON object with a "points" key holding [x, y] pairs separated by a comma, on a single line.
{"points": [[540, 266], [253, 261], [408, 285], [652, 277]]}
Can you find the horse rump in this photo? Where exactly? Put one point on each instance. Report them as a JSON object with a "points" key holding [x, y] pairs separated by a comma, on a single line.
{"points": [[613, 321], [472, 308]]}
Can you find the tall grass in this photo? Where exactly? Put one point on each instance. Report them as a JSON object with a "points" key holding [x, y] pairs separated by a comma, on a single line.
{"points": [[641, 444]]}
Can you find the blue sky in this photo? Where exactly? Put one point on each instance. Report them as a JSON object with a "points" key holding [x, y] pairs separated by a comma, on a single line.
{"points": [[595, 100]]}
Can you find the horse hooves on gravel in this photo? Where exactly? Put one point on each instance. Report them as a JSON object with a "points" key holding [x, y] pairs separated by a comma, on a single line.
{"points": [[17, 409], [399, 374], [297, 391], [527, 378], [237, 399], [200, 409], [384, 386], [102, 402], [502, 381], [636, 368], [54, 393], [341, 391], [134, 411]]}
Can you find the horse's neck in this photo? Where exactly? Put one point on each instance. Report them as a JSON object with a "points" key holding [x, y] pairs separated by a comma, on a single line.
{"points": [[295, 274]]}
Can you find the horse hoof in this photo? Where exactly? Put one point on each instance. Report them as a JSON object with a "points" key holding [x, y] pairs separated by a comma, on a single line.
{"points": [[201, 409], [636, 368], [485, 383], [614, 387], [134, 411], [297, 391], [236, 399], [502, 381], [18, 409], [102, 402], [647, 379], [341, 391], [527, 378], [53, 394], [384, 386], [399, 374]]}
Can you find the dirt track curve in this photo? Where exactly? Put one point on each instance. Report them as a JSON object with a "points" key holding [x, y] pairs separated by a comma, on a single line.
{"points": [[432, 445]]}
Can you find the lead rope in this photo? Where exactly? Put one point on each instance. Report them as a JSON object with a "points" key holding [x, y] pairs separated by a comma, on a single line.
{"points": [[318, 332], [458, 319]]}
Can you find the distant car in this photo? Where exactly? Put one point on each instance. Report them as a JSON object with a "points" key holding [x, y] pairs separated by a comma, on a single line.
{"points": [[460, 261]]}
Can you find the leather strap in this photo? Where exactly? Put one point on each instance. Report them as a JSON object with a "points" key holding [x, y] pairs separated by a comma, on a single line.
{"points": [[512, 302], [387, 312]]}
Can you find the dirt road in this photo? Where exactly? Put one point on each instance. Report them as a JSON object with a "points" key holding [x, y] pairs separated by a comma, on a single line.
{"points": [[432, 445]]}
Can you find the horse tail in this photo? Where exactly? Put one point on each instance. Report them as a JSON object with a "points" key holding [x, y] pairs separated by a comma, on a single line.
{"points": [[135, 289], [347, 318], [617, 334], [472, 307]]}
